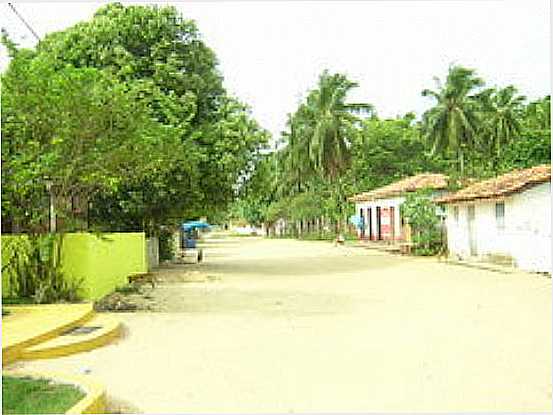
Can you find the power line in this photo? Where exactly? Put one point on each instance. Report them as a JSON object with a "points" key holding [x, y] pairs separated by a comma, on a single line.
{"points": [[24, 22]]}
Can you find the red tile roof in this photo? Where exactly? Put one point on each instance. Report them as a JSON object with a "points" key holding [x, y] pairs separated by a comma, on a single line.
{"points": [[512, 182], [409, 184]]}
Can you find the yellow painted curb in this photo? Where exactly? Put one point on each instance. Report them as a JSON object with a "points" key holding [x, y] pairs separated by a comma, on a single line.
{"points": [[19, 335], [94, 401], [67, 346]]}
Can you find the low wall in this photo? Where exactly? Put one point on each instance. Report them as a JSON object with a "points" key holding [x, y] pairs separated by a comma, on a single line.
{"points": [[103, 262]]}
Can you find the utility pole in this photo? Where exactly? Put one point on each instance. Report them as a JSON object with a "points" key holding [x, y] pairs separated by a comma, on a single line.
{"points": [[51, 207], [24, 22]]}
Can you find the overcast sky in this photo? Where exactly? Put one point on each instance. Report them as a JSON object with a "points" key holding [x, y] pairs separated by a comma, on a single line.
{"points": [[271, 53]]}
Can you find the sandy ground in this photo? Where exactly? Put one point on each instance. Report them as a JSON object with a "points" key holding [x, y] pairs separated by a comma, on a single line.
{"points": [[287, 326]]}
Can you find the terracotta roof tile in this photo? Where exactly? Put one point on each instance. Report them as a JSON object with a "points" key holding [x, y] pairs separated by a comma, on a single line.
{"points": [[409, 184], [504, 185]]}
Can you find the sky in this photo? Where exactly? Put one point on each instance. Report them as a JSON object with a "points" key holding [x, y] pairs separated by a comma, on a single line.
{"points": [[272, 52]]}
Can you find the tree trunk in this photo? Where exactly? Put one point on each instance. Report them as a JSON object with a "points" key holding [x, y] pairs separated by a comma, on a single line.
{"points": [[318, 225]]}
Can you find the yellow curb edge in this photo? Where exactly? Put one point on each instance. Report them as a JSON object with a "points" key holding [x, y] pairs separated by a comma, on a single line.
{"points": [[13, 352], [73, 348], [94, 401]]}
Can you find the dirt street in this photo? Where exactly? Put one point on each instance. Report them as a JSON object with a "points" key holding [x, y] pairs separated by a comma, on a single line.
{"points": [[288, 326]]}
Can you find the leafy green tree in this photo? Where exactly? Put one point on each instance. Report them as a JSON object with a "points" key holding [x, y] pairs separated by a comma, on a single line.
{"points": [[232, 146], [206, 141], [533, 146], [469, 131], [66, 136], [420, 213], [69, 130], [526, 152], [537, 115], [257, 193], [388, 150], [144, 42], [317, 145]]}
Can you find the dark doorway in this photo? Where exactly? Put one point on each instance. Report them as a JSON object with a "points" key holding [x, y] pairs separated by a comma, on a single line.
{"points": [[392, 223], [370, 222], [378, 220], [361, 213]]}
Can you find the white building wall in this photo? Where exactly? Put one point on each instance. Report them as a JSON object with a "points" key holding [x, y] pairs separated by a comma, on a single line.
{"points": [[531, 232], [526, 236], [457, 230]]}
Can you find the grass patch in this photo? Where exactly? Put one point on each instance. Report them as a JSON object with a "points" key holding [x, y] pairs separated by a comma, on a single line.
{"points": [[37, 396], [128, 289], [326, 236]]}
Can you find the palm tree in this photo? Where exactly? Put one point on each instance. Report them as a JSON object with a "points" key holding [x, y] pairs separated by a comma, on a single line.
{"points": [[502, 112], [295, 155], [318, 138], [331, 119], [452, 123]]}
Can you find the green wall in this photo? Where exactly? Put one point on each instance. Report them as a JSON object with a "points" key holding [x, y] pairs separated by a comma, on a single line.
{"points": [[103, 262]]}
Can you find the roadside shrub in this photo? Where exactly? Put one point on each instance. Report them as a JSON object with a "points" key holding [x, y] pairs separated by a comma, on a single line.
{"points": [[166, 245], [319, 236], [32, 266], [420, 213]]}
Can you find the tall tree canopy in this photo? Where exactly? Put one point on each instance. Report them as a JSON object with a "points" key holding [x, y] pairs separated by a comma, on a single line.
{"points": [[178, 144], [327, 152], [144, 43]]}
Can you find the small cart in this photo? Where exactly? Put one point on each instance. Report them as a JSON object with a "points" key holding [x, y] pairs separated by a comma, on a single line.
{"points": [[189, 237]]}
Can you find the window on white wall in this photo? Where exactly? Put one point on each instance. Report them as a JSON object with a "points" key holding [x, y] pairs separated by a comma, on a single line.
{"points": [[456, 214], [500, 215]]}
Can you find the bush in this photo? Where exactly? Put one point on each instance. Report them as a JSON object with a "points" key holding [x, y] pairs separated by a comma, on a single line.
{"points": [[420, 213], [32, 266], [128, 289], [319, 236], [166, 245]]}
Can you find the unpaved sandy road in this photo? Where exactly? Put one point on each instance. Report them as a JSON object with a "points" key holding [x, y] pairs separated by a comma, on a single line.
{"points": [[287, 326]]}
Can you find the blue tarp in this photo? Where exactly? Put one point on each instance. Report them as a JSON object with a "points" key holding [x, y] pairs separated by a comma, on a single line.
{"points": [[195, 224], [190, 243], [357, 221]]}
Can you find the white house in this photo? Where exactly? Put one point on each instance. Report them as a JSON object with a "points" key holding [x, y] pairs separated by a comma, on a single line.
{"points": [[380, 208], [508, 216]]}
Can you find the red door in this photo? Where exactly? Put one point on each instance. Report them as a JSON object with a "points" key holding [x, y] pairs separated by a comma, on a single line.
{"points": [[385, 223]]}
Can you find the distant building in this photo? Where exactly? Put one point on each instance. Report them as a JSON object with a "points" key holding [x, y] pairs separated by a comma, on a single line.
{"points": [[508, 216], [380, 208]]}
